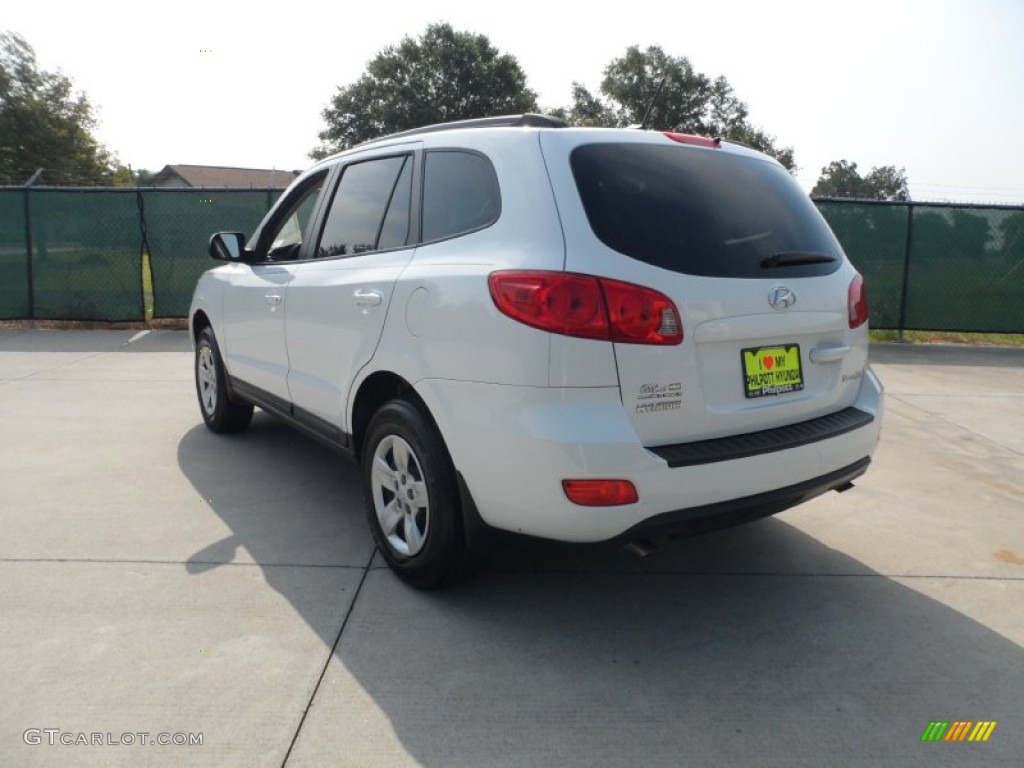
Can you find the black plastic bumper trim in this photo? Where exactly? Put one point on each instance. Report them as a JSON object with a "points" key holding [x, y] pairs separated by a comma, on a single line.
{"points": [[725, 514], [766, 441]]}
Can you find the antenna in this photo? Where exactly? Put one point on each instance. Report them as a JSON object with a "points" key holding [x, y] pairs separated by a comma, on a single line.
{"points": [[650, 106]]}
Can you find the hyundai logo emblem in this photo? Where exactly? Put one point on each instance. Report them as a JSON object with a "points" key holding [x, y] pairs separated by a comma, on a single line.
{"points": [[780, 297]]}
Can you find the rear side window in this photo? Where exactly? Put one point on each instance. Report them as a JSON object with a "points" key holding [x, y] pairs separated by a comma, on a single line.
{"points": [[370, 209], [460, 194], [700, 212]]}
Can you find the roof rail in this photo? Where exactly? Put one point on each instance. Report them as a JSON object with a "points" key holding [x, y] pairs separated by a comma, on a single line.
{"points": [[528, 120]]}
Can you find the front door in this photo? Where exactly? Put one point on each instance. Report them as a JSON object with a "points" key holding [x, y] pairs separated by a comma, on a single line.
{"points": [[254, 300]]}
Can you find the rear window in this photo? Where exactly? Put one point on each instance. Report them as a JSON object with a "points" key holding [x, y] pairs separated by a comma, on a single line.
{"points": [[700, 212]]}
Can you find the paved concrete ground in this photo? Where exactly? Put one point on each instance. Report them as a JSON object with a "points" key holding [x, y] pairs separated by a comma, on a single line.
{"points": [[157, 578]]}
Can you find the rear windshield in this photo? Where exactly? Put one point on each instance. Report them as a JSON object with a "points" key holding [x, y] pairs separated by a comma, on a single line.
{"points": [[700, 212]]}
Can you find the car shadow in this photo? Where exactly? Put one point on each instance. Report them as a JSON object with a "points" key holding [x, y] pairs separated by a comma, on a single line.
{"points": [[754, 646]]}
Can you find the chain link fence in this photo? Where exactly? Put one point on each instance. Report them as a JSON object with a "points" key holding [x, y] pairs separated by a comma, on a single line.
{"points": [[178, 228], [77, 254], [14, 286], [936, 266]]}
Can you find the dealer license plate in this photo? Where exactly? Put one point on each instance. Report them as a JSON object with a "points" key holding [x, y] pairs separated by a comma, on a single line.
{"points": [[772, 370]]}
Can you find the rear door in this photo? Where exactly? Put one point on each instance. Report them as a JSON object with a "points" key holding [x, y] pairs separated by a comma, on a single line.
{"points": [[760, 281], [338, 300]]}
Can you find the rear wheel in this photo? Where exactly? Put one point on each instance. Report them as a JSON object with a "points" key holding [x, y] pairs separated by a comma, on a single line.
{"points": [[412, 499], [220, 412]]}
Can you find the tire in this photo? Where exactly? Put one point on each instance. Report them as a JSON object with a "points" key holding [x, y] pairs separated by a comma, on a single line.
{"points": [[221, 413], [412, 498]]}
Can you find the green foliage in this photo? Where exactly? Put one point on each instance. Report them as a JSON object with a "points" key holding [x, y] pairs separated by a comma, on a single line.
{"points": [[45, 124], [689, 101], [586, 110], [444, 75], [143, 178], [842, 179]]}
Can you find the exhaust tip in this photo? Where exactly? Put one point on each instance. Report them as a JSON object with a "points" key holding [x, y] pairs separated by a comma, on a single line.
{"points": [[641, 549], [843, 488]]}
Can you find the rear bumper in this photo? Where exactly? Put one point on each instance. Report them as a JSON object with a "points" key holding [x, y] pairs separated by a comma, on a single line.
{"points": [[514, 445], [712, 517], [755, 443]]}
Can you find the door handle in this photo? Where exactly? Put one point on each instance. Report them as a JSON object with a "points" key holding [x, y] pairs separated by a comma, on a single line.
{"points": [[273, 299], [368, 298]]}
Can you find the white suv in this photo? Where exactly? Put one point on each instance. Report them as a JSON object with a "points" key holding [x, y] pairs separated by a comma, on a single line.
{"points": [[577, 334]]}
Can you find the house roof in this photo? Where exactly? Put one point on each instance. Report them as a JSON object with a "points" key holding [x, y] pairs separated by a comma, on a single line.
{"points": [[221, 176]]}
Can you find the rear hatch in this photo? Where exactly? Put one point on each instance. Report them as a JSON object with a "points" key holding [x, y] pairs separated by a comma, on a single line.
{"points": [[760, 282]]}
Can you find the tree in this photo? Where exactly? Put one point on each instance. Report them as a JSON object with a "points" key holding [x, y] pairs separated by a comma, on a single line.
{"points": [[586, 110], [689, 101], [841, 178], [142, 177], [444, 75], [45, 124]]}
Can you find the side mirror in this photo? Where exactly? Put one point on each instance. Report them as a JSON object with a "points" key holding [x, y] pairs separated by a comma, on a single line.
{"points": [[227, 246]]}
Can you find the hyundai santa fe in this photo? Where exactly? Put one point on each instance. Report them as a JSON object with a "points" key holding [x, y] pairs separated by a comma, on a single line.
{"points": [[579, 334]]}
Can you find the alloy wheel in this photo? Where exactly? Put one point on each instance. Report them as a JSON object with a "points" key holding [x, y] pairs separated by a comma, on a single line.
{"points": [[400, 496]]}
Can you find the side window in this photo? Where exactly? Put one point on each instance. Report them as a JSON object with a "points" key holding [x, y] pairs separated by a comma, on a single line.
{"points": [[460, 194], [370, 209], [287, 235]]}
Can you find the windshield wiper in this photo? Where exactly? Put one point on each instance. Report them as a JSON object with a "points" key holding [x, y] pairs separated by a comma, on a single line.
{"points": [[793, 258]]}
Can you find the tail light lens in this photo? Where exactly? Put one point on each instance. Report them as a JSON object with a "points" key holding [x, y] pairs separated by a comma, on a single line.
{"points": [[587, 306], [600, 493], [857, 302]]}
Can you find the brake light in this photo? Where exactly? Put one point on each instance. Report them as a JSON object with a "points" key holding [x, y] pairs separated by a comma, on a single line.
{"points": [[586, 306], [600, 493], [689, 138], [857, 302], [640, 315]]}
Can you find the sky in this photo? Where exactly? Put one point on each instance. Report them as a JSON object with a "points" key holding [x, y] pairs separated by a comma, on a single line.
{"points": [[932, 86]]}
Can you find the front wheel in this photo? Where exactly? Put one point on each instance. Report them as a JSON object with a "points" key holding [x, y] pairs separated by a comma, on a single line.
{"points": [[220, 412], [412, 499]]}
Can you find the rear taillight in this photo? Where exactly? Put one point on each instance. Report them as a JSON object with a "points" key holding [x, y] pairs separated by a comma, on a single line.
{"points": [[587, 306], [554, 301], [600, 493], [640, 315], [857, 302]]}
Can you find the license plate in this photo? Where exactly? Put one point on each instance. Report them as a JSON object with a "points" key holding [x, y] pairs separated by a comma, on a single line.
{"points": [[772, 370]]}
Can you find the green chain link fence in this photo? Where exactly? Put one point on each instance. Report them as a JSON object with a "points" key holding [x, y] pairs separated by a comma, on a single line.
{"points": [[86, 263], [936, 266], [178, 226], [76, 254], [14, 287]]}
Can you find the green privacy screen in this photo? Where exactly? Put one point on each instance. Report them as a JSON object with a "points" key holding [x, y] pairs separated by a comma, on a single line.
{"points": [[13, 270], [928, 266], [179, 224], [964, 264], [86, 261], [966, 270], [874, 238]]}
